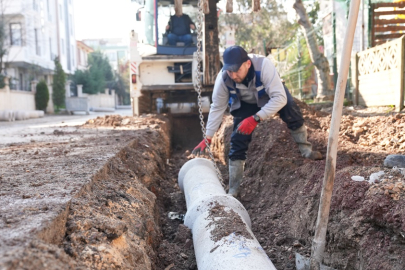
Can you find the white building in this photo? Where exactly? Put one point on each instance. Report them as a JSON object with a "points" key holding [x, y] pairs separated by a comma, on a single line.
{"points": [[116, 49], [82, 54], [38, 31]]}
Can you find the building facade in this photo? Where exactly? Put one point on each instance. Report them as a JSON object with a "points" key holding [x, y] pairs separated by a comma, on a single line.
{"points": [[36, 32], [116, 49], [82, 54]]}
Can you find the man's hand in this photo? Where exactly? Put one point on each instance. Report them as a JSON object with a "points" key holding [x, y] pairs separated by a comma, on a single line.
{"points": [[247, 126], [192, 26], [200, 148], [167, 27]]}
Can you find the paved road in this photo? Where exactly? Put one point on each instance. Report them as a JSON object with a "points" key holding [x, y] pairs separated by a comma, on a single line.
{"points": [[25, 131]]}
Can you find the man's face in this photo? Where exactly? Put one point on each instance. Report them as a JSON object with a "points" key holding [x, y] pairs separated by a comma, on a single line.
{"points": [[240, 75]]}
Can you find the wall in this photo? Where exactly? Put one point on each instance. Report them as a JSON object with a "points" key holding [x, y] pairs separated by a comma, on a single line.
{"points": [[101, 100], [16, 100], [379, 77]]}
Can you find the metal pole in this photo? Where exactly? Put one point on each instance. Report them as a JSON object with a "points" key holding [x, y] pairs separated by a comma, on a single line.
{"points": [[318, 244]]}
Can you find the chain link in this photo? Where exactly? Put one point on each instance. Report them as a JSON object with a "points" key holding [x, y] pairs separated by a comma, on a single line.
{"points": [[198, 87]]}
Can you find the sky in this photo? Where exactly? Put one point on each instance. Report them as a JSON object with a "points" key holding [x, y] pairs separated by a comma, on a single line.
{"points": [[102, 18], [95, 19]]}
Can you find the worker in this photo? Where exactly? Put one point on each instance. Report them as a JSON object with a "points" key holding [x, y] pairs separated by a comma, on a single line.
{"points": [[253, 88], [179, 28]]}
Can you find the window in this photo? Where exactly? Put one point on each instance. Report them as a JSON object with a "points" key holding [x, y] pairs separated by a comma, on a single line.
{"points": [[112, 56], [60, 12], [21, 81], [79, 56], [49, 11], [37, 48], [63, 46], [71, 24], [73, 57], [15, 34], [50, 48], [34, 4]]}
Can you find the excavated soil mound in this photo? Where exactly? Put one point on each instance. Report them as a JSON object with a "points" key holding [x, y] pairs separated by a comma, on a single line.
{"points": [[86, 203], [281, 189]]}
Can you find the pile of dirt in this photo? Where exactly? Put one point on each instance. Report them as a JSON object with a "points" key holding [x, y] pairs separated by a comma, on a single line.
{"points": [[231, 223], [85, 203], [115, 120], [281, 190]]}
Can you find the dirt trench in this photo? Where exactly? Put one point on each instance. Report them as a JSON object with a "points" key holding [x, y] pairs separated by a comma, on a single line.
{"points": [[98, 197], [102, 201]]}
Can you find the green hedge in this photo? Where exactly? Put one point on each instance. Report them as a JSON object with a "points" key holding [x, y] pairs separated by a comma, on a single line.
{"points": [[42, 96]]}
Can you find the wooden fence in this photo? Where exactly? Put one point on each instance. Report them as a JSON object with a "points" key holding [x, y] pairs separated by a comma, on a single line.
{"points": [[387, 22], [378, 75]]}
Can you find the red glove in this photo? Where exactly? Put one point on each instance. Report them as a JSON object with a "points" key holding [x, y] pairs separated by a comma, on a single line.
{"points": [[247, 126], [199, 149]]}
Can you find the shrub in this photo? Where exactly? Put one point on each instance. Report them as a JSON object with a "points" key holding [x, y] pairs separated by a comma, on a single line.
{"points": [[2, 82], [42, 96], [59, 81]]}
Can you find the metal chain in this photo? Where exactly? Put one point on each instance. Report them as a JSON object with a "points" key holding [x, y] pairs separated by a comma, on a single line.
{"points": [[200, 18]]}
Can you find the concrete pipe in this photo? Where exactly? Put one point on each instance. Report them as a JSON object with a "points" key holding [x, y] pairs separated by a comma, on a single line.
{"points": [[12, 115], [40, 113], [5, 116], [21, 115], [32, 114], [35, 114], [221, 226]]}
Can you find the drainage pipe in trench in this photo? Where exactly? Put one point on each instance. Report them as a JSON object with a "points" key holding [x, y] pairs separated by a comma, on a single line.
{"points": [[221, 226]]}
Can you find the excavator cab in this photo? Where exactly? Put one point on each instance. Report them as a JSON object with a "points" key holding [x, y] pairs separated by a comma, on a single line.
{"points": [[164, 76], [157, 14]]}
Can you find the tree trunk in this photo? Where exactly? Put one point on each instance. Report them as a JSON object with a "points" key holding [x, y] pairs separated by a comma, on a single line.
{"points": [[211, 63], [319, 60]]}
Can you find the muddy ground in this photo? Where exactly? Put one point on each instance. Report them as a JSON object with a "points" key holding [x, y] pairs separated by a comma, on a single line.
{"points": [[100, 198]]}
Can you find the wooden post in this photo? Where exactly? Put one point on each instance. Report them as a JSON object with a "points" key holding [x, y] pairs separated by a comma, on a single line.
{"points": [[400, 105], [211, 61], [319, 241], [355, 78]]}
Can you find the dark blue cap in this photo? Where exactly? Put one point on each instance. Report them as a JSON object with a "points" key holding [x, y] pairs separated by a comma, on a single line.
{"points": [[234, 57]]}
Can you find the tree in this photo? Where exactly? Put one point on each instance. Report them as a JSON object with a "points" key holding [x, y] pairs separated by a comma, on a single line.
{"points": [[100, 73], [318, 58], [121, 83], [80, 77], [59, 82], [4, 45], [300, 67], [260, 31], [41, 96]]}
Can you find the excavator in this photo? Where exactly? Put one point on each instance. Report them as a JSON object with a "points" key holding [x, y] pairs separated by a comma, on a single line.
{"points": [[163, 77]]}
